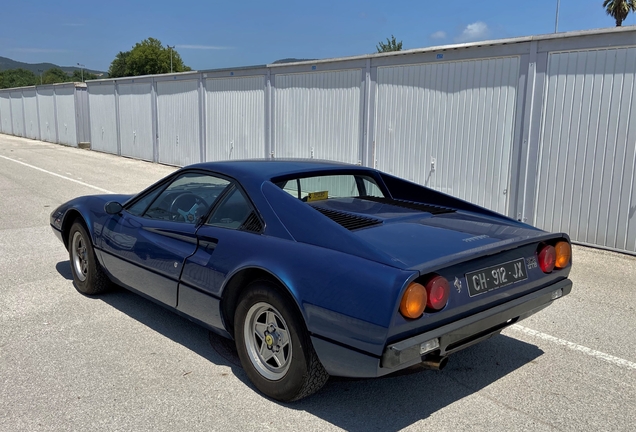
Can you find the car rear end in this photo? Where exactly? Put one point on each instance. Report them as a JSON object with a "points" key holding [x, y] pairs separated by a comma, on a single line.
{"points": [[450, 308], [474, 272]]}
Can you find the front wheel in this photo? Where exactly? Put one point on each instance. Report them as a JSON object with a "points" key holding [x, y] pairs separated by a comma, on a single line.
{"points": [[88, 276], [274, 346]]}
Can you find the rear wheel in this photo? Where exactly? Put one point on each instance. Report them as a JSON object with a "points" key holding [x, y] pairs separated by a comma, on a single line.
{"points": [[274, 346], [88, 276]]}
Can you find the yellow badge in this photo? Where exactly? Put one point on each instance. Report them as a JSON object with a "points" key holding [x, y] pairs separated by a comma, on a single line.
{"points": [[317, 196], [269, 340]]}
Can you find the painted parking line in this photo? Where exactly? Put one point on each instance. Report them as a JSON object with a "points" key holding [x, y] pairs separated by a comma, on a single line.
{"points": [[58, 175], [589, 351]]}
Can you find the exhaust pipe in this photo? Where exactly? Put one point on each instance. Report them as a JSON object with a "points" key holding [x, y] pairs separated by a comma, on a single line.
{"points": [[435, 362]]}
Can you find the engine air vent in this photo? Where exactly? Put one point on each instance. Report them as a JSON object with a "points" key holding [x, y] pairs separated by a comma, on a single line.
{"points": [[410, 205], [347, 220]]}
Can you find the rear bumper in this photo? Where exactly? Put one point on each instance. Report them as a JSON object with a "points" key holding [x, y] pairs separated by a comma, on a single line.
{"points": [[453, 337]]}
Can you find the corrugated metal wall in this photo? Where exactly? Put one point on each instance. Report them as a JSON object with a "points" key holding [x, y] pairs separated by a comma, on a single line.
{"points": [[461, 114], [317, 115], [32, 125], [178, 122], [46, 106], [235, 118], [538, 128], [103, 117], [17, 120], [587, 159], [66, 122], [135, 121], [5, 113]]}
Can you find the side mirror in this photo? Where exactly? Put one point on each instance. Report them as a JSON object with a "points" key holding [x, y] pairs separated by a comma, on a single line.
{"points": [[113, 207]]}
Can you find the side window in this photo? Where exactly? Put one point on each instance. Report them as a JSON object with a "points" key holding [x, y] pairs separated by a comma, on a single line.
{"points": [[187, 198], [371, 188], [291, 187], [231, 212], [140, 206]]}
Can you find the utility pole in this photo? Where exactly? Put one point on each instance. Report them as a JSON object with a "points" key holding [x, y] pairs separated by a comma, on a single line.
{"points": [[556, 23], [40, 70], [171, 47], [82, 66]]}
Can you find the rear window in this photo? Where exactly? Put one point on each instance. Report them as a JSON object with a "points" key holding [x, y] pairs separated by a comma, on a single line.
{"points": [[318, 188]]}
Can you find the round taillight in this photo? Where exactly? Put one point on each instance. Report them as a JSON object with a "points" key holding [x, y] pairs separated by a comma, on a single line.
{"points": [[438, 290], [413, 301], [563, 254], [547, 258]]}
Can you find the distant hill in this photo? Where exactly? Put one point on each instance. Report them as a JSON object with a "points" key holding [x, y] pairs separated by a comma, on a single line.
{"points": [[7, 63]]}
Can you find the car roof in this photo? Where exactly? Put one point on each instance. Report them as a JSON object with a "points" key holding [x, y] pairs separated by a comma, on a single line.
{"points": [[260, 170]]}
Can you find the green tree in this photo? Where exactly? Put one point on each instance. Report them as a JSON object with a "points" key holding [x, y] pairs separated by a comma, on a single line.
{"points": [[17, 78], [147, 57], [118, 66], [391, 45], [619, 9], [54, 76]]}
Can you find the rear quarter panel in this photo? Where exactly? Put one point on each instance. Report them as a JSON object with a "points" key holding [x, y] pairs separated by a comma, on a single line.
{"points": [[342, 298]]}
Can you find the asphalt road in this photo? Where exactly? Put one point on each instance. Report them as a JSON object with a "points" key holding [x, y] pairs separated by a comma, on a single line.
{"points": [[119, 362]]}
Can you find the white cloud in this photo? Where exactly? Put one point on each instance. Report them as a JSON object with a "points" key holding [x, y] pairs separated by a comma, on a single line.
{"points": [[203, 47], [38, 50], [474, 32], [439, 35]]}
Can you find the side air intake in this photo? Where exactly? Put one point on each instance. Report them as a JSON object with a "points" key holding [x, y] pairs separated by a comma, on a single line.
{"points": [[252, 223]]}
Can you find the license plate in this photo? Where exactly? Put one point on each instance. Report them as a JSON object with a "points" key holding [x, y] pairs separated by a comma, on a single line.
{"points": [[495, 277]]}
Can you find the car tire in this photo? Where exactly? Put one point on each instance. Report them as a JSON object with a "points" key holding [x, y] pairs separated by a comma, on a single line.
{"points": [[274, 346], [88, 276]]}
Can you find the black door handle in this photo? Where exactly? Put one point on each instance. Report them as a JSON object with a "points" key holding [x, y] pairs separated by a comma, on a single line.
{"points": [[206, 242]]}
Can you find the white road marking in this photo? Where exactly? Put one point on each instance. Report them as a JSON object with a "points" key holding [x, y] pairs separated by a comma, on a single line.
{"points": [[58, 175], [589, 351]]}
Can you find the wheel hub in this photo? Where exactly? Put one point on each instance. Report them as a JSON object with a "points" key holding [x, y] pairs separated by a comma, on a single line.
{"points": [[272, 338]]}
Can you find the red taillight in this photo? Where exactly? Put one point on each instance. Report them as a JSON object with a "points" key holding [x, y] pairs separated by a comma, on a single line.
{"points": [[437, 289], [547, 258]]}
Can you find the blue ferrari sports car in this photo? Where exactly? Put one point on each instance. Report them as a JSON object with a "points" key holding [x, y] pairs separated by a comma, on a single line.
{"points": [[316, 268]]}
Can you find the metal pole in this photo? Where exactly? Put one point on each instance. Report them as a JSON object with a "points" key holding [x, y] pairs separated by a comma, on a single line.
{"points": [[82, 69], [40, 70], [556, 23], [171, 47]]}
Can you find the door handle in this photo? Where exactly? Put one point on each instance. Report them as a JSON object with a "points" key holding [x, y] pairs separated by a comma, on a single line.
{"points": [[208, 243]]}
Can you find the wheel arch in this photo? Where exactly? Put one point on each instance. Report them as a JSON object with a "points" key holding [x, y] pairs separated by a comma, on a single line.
{"points": [[69, 218], [239, 281]]}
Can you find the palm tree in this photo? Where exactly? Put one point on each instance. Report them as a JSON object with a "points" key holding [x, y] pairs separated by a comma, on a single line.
{"points": [[619, 9], [393, 45]]}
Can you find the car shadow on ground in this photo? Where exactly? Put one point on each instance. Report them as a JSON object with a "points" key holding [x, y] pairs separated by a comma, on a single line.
{"points": [[389, 403], [395, 402], [64, 269]]}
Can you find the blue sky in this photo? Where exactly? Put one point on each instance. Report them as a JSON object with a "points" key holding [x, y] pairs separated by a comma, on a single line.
{"points": [[211, 34]]}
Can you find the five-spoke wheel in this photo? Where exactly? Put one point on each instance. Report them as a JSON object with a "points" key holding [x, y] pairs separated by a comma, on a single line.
{"points": [[268, 343], [88, 276], [274, 345], [79, 259]]}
